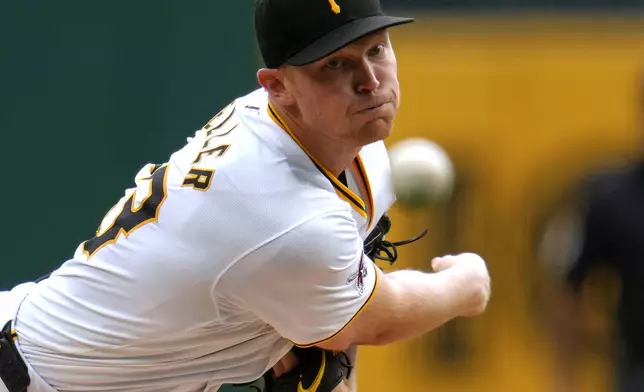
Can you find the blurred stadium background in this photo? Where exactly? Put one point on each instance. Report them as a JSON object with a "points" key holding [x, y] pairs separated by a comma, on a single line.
{"points": [[527, 96]]}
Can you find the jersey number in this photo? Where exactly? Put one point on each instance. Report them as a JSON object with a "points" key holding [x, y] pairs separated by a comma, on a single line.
{"points": [[130, 216], [142, 204]]}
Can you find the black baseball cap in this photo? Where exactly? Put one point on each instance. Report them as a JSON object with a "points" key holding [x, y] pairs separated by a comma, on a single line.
{"points": [[299, 32]]}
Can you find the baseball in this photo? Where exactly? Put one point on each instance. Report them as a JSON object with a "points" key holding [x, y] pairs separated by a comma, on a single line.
{"points": [[421, 172]]}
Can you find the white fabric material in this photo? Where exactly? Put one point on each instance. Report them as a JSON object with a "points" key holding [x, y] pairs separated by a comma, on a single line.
{"points": [[215, 284], [9, 303]]}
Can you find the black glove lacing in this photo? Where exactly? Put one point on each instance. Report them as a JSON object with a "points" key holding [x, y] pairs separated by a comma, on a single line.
{"points": [[389, 248], [375, 244]]}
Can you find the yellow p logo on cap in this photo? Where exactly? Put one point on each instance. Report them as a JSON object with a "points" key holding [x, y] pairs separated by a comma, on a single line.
{"points": [[334, 7]]}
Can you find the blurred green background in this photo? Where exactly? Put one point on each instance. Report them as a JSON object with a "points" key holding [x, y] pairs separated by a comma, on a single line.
{"points": [[92, 90], [526, 96]]}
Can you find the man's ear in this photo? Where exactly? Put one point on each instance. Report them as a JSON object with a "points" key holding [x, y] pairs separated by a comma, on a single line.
{"points": [[273, 81]]}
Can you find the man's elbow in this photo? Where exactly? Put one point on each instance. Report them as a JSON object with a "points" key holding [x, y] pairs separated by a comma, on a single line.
{"points": [[344, 345], [371, 337], [335, 345], [376, 326]]}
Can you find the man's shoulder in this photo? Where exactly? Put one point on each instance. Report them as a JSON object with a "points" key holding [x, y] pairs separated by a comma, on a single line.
{"points": [[244, 132], [248, 172], [250, 156]]}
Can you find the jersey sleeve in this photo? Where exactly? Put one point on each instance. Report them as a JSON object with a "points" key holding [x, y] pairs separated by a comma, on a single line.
{"points": [[308, 283]]}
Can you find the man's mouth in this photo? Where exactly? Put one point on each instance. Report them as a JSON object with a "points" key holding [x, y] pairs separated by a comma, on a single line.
{"points": [[375, 106]]}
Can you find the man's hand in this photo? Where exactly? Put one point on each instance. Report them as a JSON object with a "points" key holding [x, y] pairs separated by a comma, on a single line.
{"points": [[473, 272]]}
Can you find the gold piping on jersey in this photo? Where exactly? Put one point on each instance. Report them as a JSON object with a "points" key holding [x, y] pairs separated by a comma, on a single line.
{"points": [[365, 187], [364, 305], [342, 190]]}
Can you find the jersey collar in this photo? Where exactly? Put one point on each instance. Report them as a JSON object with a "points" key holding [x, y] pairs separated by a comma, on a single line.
{"points": [[343, 191]]}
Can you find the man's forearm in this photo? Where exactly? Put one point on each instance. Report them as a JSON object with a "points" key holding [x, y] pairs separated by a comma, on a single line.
{"points": [[423, 303], [406, 304]]}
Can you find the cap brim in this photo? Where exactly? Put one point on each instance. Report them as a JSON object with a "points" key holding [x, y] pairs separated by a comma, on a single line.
{"points": [[343, 36]]}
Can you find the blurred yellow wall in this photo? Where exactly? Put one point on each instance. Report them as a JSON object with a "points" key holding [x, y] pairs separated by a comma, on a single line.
{"points": [[524, 105]]}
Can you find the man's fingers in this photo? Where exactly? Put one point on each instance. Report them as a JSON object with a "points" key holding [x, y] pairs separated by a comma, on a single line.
{"points": [[442, 263], [436, 264]]}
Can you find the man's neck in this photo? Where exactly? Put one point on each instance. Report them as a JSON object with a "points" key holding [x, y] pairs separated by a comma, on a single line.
{"points": [[333, 154]]}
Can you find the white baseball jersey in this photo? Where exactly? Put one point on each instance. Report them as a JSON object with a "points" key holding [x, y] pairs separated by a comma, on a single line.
{"points": [[210, 269]]}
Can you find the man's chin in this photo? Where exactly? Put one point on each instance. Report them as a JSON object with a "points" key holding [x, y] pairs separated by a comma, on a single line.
{"points": [[376, 130]]}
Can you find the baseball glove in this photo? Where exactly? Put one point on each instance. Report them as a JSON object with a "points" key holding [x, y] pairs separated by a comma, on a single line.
{"points": [[317, 370]]}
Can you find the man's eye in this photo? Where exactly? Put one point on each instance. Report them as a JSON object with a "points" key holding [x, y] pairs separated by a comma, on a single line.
{"points": [[335, 64], [377, 50]]}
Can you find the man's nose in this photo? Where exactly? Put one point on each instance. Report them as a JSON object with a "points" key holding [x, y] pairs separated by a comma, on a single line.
{"points": [[366, 79]]}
